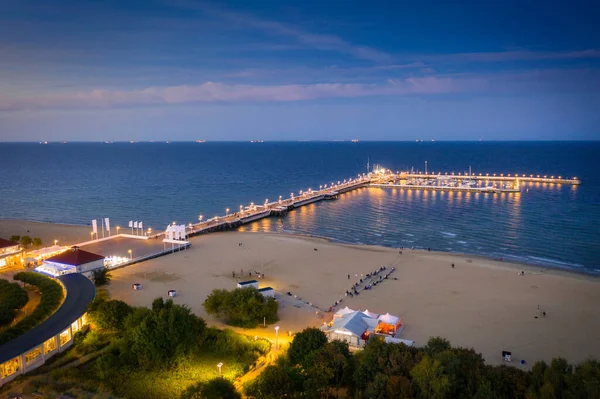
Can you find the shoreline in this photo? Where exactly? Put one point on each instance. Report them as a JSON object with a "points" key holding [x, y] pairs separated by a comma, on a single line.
{"points": [[71, 233]]}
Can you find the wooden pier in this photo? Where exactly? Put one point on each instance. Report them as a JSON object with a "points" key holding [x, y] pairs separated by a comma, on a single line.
{"points": [[382, 178]]}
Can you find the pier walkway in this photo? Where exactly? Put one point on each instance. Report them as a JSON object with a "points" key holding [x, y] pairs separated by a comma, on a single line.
{"points": [[491, 177]]}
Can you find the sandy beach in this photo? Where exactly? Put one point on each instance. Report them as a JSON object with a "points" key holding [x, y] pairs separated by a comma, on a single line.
{"points": [[481, 303], [66, 234]]}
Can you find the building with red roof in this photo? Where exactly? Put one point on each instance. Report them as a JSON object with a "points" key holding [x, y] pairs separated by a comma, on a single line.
{"points": [[74, 260]]}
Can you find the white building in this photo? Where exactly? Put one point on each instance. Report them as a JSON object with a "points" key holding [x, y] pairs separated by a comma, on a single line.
{"points": [[246, 284], [9, 252], [357, 327], [74, 260], [267, 292]]}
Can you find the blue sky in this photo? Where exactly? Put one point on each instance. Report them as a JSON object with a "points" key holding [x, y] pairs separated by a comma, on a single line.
{"points": [[289, 70]]}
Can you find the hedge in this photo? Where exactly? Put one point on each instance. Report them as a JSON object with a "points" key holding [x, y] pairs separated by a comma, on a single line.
{"points": [[12, 298], [52, 297]]}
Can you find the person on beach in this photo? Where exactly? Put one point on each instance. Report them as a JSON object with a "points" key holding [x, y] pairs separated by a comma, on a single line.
{"points": [[233, 274], [453, 265]]}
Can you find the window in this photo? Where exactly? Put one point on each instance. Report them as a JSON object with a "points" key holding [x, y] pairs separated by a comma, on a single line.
{"points": [[65, 337], [75, 327], [50, 345], [10, 367], [32, 355]]}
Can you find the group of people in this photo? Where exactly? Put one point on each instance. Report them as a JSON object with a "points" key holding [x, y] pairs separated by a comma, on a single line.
{"points": [[258, 275], [370, 280]]}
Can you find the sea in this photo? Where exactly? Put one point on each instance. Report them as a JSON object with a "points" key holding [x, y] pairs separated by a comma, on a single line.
{"points": [[550, 225]]}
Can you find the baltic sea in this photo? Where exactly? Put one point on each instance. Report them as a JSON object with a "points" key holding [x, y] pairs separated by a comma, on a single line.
{"points": [[158, 183]]}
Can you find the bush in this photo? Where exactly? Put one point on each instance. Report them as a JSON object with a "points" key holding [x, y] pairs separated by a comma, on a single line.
{"points": [[52, 297], [164, 334], [111, 314], [101, 276], [217, 388], [243, 307], [12, 298]]}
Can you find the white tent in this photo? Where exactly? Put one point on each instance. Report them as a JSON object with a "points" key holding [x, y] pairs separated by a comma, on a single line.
{"points": [[389, 319], [371, 314], [343, 312]]}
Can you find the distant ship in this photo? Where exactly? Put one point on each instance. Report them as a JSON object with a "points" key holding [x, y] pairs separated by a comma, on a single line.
{"points": [[108, 142], [200, 141], [257, 141], [43, 142], [354, 140]]}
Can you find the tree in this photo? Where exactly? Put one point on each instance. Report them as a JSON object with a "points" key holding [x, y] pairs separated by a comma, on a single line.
{"points": [[112, 314], [276, 381], [436, 345], [334, 361], [429, 377], [244, 307], [167, 332], [217, 388], [37, 242], [26, 241], [101, 276], [15, 238], [310, 339]]}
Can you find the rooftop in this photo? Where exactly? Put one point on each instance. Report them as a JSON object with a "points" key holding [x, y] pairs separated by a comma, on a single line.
{"points": [[247, 282], [265, 289], [80, 292], [75, 257], [6, 243]]}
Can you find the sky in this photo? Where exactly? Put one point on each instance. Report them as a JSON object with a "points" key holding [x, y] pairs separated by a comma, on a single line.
{"points": [[299, 70]]}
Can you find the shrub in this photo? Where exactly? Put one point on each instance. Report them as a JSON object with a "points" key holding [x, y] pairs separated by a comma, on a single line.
{"points": [[12, 298], [243, 307], [52, 297], [101, 276], [111, 314], [217, 388]]}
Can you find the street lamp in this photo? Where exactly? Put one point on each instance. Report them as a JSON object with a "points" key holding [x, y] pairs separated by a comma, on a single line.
{"points": [[130, 254], [226, 211], [55, 242], [276, 337], [200, 218], [118, 227], [219, 365], [92, 235]]}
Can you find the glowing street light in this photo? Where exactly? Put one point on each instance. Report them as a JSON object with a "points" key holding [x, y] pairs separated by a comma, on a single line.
{"points": [[219, 365], [92, 235], [226, 212], [130, 254], [276, 337], [200, 218], [55, 242], [118, 227]]}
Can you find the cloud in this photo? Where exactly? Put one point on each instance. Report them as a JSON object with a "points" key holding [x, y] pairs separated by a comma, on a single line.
{"points": [[307, 39], [503, 56], [212, 92]]}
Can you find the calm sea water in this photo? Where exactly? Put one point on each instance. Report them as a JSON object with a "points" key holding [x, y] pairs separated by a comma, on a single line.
{"points": [[552, 225]]}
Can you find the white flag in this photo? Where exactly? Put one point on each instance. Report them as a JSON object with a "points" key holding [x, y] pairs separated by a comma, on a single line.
{"points": [[135, 225], [95, 226], [107, 222], [140, 225], [131, 223]]}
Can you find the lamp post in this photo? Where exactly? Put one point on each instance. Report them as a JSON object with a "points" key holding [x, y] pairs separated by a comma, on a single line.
{"points": [[276, 337], [200, 218], [118, 227], [55, 242], [226, 212], [130, 254], [219, 365], [91, 235]]}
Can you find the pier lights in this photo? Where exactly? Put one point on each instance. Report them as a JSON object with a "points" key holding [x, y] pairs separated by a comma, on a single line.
{"points": [[219, 366], [118, 227], [494, 175], [149, 230], [241, 208], [173, 223], [130, 254], [523, 175], [320, 187], [92, 235], [509, 175], [560, 177], [338, 182], [552, 177], [226, 212], [501, 174], [200, 218], [300, 192], [325, 186], [190, 226], [55, 242], [545, 177], [538, 176], [276, 337]]}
